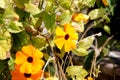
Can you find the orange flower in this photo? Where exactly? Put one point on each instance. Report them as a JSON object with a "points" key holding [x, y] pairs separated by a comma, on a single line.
{"points": [[17, 75], [67, 37], [105, 2], [29, 59], [89, 78], [79, 17]]}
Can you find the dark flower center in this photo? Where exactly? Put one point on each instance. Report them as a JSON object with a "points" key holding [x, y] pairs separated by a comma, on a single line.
{"points": [[30, 59], [66, 36], [27, 75]]}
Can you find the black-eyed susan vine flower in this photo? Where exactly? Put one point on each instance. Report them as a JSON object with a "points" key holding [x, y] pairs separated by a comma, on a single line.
{"points": [[17, 75], [89, 78], [80, 17], [105, 2], [29, 59], [66, 38]]}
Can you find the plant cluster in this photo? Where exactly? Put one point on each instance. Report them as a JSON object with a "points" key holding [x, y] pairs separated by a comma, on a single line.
{"points": [[39, 38]]}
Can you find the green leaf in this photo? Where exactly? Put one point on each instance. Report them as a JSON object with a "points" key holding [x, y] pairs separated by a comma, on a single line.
{"points": [[77, 71], [96, 13], [89, 3], [33, 9], [88, 60], [105, 51], [5, 45], [19, 3], [23, 15], [49, 5], [65, 3], [83, 45], [38, 42], [86, 42], [19, 40], [11, 63], [107, 29], [107, 19], [10, 13], [14, 27], [65, 17], [78, 26], [80, 51], [49, 20]]}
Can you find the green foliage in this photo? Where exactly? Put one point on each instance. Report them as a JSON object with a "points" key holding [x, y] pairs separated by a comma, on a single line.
{"points": [[38, 42], [96, 13], [5, 44], [65, 17], [107, 29], [19, 40], [33, 9], [33, 22], [49, 20], [83, 46], [77, 71], [14, 27]]}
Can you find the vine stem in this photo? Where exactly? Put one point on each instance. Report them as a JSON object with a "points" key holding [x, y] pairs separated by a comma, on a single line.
{"points": [[97, 52]]}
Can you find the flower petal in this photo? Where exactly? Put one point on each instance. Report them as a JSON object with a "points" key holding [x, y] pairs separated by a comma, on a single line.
{"points": [[16, 74], [20, 58], [37, 65], [26, 68], [59, 42], [37, 54], [74, 36], [69, 29], [60, 32], [69, 45], [37, 76], [28, 50]]}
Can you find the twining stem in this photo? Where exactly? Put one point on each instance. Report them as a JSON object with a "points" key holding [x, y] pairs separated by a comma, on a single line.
{"points": [[97, 52], [106, 42], [92, 24]]}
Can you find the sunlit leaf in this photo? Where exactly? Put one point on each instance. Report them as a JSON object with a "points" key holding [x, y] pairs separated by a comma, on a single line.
{"points": [[10, 13], [96, 13], [77, 71], [106, 18], [2, 4], [14, 27], [89, 3], [49, 5], [65, 17], [33, 9], [86, 42], [107, 29], [83, 46], [11, 63], [80, 51], [78, 26], [5, 45], [65, 3]]}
